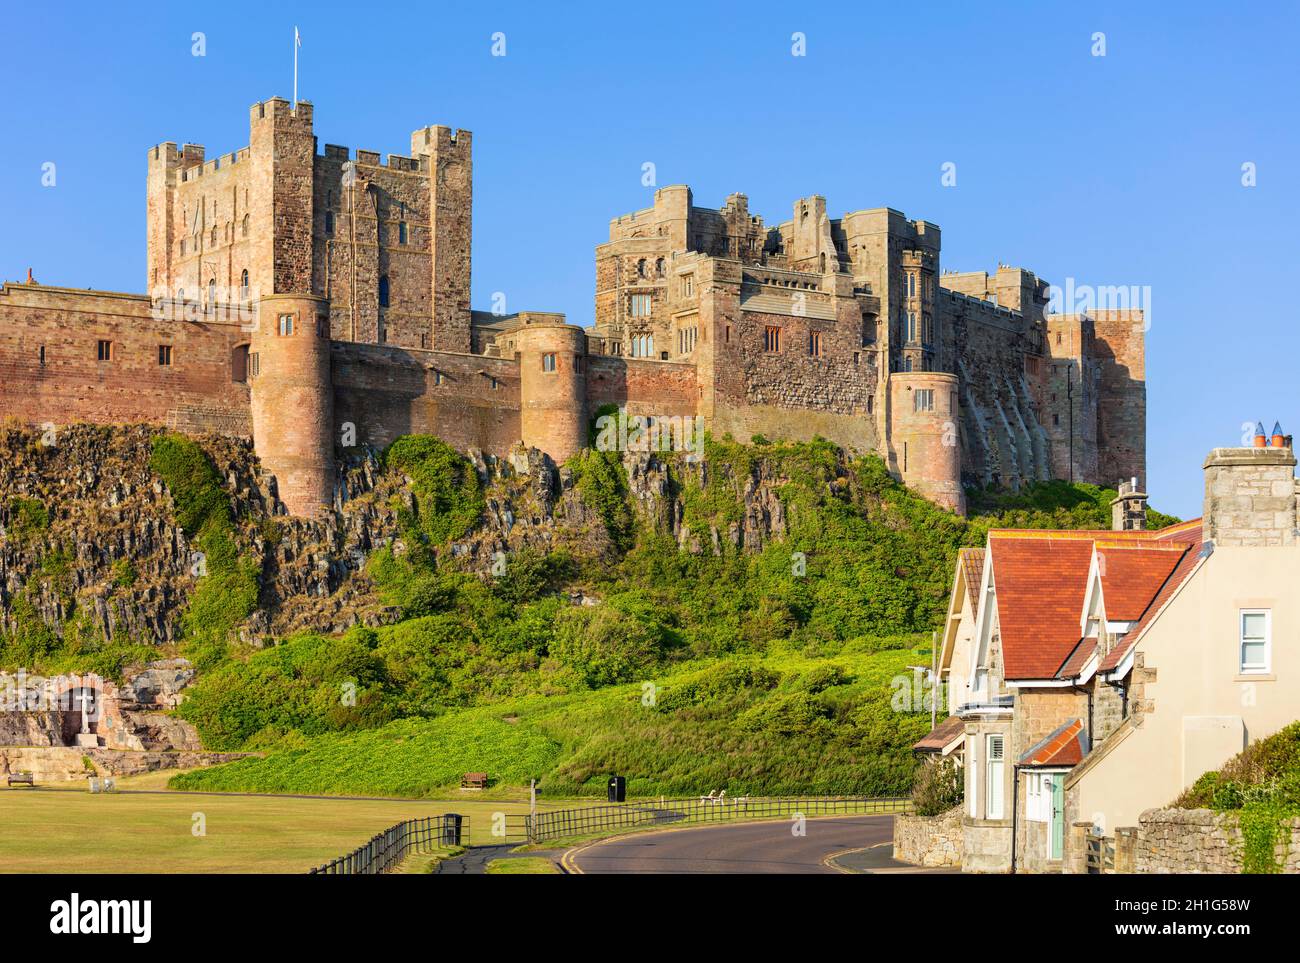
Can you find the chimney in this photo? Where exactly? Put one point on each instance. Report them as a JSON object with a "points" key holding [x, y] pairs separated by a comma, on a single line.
{"points": [[1128, 511], [1251, 493]]}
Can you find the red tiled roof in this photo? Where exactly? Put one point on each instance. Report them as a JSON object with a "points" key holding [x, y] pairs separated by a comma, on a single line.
{"points": [[1181, 573], [1077, 659], [942, 736], [1131, 575], [1040, 582], [972, 565], [1065, 747]]}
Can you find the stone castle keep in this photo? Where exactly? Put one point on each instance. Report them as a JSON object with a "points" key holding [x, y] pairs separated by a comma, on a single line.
{"points": [[313, 299]]}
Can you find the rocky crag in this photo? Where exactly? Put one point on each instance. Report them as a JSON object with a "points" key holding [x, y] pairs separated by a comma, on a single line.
{"points": [[90, 542]]}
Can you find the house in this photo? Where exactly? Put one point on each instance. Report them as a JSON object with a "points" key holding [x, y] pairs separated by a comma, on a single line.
{"points": [[1096, 674]]}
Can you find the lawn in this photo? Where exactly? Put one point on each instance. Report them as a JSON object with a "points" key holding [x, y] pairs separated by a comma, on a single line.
{"points": [[126, 832]]}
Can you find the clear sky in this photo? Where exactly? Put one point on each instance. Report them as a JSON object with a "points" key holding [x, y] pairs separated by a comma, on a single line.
{"points": [[1123, 169]]}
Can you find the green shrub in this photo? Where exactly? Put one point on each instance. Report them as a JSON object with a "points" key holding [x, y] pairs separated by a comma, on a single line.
{"points": [[449, 499], [938, 787]]}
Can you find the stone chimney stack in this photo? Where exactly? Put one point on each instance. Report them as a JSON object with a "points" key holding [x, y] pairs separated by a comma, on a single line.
{"points": [[1128, 510], [1251, 494]]}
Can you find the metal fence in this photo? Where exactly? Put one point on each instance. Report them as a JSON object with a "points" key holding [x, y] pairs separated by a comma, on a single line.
{"points": [[385, 850], [562, 823]]}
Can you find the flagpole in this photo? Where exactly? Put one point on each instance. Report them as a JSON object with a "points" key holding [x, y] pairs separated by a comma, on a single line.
{"points": [[295, 68]]}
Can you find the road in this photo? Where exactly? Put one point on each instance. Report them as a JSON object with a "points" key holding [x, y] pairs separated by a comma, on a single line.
{"points": [[766, 847]]}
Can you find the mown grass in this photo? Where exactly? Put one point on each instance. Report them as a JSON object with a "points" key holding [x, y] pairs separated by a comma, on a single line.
{"points": [[76, 832], [523, 866]]}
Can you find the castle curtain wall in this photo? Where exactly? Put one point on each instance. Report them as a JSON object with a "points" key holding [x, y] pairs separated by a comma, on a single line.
{"points": [[385, 391], [196, 392]]}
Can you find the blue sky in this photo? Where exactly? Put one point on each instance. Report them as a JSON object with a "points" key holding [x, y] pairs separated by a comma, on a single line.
{"points": [[1122, 169]]}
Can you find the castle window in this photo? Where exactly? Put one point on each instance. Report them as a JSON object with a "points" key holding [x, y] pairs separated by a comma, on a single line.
{"points": [[659, 268], [814, 344], [639, 305], [243, 285], [104, 350], [329, 222], [401, 232], [383, 291], [927, 328], [640, 268], [643, 346], [182, 247], [870, 403], [322, 328], [165, 355], [286, 325], [180, 294], [923, 399], [577, 363], [212, 292], [239, 364], [1058, 341], [856, 358], [771, 339], [688, 285], [907, 364], [548, 361], [911, 326], [1056, 420], [494, 383], [42, 355], [686, 340], [726, 334], [244, 226], [437, 377], [911, 285], [254, 364]]}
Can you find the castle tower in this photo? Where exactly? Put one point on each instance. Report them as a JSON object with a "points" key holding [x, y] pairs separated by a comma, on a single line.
{"points": [[552, 384], [924, 450], [451, 169], [292, 399], [160, 190], [283, 152]]}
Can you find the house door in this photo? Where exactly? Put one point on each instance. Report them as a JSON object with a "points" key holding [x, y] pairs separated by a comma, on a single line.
{"points": [[1058, 816]]}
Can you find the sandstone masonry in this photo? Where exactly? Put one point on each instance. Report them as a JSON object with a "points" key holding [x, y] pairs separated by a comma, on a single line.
{"points": [[319, 300]]}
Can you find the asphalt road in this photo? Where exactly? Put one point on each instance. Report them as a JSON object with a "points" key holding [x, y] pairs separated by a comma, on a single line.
{"points": [[766, 847]]}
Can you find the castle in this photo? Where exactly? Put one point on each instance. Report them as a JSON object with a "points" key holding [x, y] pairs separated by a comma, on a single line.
{"points": [[314, 300]]}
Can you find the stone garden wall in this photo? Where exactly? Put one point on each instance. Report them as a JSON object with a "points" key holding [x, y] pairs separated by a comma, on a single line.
{"points": [[929, 840]]}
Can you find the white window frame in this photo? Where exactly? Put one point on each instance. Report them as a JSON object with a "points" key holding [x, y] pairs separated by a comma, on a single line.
{"points": [[1267, 640], [973, 773], [996, 777]]}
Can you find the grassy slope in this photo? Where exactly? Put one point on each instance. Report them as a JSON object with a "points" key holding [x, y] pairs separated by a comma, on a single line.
{"points": [[573, 742]]}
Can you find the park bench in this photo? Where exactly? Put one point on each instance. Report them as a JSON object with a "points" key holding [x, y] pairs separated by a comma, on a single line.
{"points": [[21, 779], [474, 780]]}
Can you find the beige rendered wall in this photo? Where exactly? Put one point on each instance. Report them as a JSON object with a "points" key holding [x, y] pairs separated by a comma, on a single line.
{"points": [[1202, 710]]}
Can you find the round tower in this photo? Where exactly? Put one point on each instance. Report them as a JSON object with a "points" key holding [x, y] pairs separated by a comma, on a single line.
{"points": [[292, 398], [552, 384], [924, 435]]}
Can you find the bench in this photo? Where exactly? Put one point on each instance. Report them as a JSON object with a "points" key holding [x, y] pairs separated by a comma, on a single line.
{"points": [[474, 780], [21, 779]]}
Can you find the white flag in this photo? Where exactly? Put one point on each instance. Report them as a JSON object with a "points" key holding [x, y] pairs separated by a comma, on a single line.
{"points": [[297, 40]]}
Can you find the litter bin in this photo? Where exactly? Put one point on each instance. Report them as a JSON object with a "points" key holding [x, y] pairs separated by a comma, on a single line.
{"points": [[451, 829], [617, 789]]}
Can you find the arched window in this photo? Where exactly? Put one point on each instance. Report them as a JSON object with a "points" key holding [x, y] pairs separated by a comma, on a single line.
{"points": [[401, 232], [383, 291], [640, 268], [245, 225], [329, 222], [243, 285], [659, 268], [212, 292]]}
